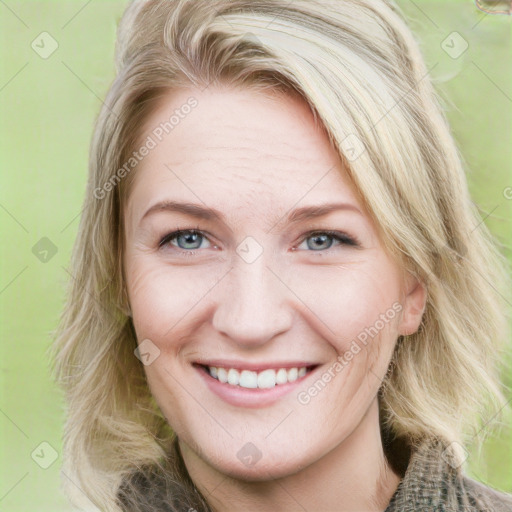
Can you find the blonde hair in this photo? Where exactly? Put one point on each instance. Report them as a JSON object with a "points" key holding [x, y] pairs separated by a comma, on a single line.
{"points": [[357, 65]]}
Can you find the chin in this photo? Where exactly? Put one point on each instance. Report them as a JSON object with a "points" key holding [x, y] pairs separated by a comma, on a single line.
{"points": [[253, 465], [262, 471]]}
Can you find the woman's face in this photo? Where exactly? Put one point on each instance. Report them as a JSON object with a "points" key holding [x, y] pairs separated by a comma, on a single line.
{"points": [[304, 320]]}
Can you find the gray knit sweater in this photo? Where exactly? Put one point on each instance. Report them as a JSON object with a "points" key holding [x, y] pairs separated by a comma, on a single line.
{"points": [[429, 484]]}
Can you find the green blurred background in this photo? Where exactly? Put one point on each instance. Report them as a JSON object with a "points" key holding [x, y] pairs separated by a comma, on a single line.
{"points": [[48, 103]]}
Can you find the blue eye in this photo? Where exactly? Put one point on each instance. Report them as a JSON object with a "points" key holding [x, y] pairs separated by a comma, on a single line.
{"points": [[323, 240], [188, 241]]}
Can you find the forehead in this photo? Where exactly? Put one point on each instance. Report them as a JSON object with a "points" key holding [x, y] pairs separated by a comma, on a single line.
{"points": [[237, 148]]}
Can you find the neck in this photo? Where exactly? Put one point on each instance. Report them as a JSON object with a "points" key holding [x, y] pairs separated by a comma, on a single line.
{"points": [[353, 476]]}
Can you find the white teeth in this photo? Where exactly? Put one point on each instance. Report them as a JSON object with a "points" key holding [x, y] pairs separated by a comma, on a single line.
{"points": [[263, 380], [222, 375], [281, 376], [248, 379], [293, 374], [233, 377], [267, 379]]}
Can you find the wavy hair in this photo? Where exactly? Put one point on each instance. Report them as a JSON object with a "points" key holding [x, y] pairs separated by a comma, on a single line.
{"points": [[358, 67]]}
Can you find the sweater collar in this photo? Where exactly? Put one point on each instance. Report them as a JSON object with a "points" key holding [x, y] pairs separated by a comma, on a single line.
{"points": [[431, 479]]}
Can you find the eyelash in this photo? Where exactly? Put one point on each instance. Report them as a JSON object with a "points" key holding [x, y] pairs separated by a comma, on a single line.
{"points": [[339, 236]]}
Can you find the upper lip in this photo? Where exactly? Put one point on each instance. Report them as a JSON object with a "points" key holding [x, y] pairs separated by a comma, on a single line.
{"points": [[255, 366]]}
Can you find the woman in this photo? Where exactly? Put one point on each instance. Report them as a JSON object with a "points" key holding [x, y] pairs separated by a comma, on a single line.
{"points": [[280, 300]]}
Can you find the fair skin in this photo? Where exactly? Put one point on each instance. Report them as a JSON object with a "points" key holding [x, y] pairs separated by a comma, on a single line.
{"points": [[256, 158]]}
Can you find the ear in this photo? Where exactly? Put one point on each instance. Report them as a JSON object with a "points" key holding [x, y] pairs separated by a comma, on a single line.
{"points": [[414, 305]]}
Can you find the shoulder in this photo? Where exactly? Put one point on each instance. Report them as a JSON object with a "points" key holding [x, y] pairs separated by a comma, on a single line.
{"points": [[482, 498], [433, 483], [151, 489]]}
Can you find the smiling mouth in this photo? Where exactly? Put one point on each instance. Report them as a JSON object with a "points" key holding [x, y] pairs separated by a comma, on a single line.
{"points": [[248, 379]]}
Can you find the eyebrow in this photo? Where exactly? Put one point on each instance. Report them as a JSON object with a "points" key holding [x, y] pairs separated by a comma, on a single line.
{"points": [[204, 213]]}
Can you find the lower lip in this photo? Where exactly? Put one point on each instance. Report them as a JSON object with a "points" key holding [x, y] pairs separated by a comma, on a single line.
{"points": [[249, 397]]}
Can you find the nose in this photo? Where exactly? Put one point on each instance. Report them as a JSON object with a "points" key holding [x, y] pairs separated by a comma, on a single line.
{"points": [[253, 305]]}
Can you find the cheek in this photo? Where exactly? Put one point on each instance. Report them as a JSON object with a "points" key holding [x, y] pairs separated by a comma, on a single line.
{"points": [[357, 310], [161, 296], [347, 299], [342, 302]]}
